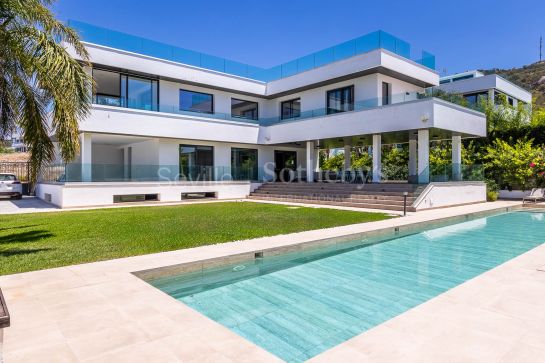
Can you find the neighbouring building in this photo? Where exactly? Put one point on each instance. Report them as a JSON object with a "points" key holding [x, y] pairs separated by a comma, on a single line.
{"points": [[168, 123], [475, 85]]}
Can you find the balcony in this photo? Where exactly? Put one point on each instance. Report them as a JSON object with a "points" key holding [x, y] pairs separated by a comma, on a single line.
{"points": [[362, 105]]}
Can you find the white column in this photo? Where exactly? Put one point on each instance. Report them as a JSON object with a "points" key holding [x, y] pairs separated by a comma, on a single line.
{"points": [[413, 171], [86, 158], [347, 155], [423, 156], [456, 158], [312, 160], [377, 156]]}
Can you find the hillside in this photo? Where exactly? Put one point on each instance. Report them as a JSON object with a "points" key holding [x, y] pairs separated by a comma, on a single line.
{"points": [[530, 77]]}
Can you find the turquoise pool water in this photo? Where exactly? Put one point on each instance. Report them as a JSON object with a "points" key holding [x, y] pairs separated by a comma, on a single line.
{"points": [[299, 305]]}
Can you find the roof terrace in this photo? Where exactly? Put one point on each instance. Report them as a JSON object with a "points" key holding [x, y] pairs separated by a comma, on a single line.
{"points": [[366, 43]]}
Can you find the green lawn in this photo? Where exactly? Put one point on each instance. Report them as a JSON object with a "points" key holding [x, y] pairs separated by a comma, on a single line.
{"points": [[44, 240]]}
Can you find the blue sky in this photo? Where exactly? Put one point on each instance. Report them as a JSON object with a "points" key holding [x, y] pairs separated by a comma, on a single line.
{"points": [[462, 34]]}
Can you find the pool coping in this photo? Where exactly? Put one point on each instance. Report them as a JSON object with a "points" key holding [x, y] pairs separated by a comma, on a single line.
{"points": [[149, 275], [103, 311]]}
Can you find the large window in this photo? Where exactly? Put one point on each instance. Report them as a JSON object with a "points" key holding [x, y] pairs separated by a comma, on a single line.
{"points": [[122, 90], [290, 109], [340, 100], [244, 164], [244, 109], [386, 93], [108, 88], [196, 162], [196, 101], [476, 98]]}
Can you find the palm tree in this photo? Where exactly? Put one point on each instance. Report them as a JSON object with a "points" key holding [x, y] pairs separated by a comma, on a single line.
{"points": [[43, 90]]}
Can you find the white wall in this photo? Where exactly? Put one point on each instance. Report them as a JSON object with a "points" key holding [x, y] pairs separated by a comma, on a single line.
{"points": [[422, 114], [106, 154], [169, 152], [97, 194], [365, 88], [438, 195], [491, 81]]}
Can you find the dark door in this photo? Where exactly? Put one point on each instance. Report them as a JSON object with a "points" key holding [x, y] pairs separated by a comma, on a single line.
{"points": [[284, 162]]}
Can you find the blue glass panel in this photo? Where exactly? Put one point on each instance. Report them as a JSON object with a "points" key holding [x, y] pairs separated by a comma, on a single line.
{"points": [[124, 41], [368, 42], [305, 63], [156, 49], [387, 41], [289, 69], [345, 50], [403, 48], [236, 68], [90, 33], [186, 56], [428, 60], [257, 73], [324, 57], [213, 62], [274, 73]]}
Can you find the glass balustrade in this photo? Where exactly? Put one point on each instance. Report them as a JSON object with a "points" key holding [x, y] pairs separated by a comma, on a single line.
{"points": [[376, 40]]}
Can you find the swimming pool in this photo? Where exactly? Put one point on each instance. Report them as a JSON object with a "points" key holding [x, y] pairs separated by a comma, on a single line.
{"points": [[300, 304]]}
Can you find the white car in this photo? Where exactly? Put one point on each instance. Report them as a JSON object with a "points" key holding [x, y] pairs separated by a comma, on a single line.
{"points": [[10, 186]]}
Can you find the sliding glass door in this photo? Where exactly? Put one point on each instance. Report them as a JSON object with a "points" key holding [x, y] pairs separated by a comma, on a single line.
{"points": [[196, 163], [244, 164]]}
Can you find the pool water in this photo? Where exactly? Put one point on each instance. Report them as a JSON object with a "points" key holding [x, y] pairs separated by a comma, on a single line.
{"points": [[301, 305]]}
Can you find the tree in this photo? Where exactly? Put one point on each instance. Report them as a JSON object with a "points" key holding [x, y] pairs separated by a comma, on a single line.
{"points": [[43, 90], [503, 116], [513, 165], [395, 163]]}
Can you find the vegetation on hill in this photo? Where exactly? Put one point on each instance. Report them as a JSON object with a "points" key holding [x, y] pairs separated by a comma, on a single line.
{"points": [[530, 77]]}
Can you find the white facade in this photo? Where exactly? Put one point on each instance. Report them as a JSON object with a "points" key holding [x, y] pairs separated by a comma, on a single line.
{"points": [[379, 98], [475, 82]]}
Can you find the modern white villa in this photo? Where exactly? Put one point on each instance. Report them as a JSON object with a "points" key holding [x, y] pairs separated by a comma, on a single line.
{"points": [[475, 85], [169, 123]]}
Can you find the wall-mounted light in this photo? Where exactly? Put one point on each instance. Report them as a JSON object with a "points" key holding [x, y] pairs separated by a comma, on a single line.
{"points": [[425, 118]]}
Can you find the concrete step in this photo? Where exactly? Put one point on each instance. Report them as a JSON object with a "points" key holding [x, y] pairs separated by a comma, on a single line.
{"points": [[336, 203], [337, 194], [346, 186]]}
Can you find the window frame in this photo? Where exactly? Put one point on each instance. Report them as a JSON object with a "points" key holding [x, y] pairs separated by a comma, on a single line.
{"points": [[124, 91], [202, 93], [255, 168], [291, 108], [242, 117], [351, 102], [388, 94]]}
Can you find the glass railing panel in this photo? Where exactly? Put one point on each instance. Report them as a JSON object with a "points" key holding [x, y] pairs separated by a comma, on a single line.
{"points": [[156, 49], [107, 173], [428, 60], [289, 69], [124, 41], [212, 62], [345, 50], [108, 100], [324, 57], [186, 57], [305, 63], [403, 48], [236, 68], [387, 41], [90, 33], [367, 42], [257, 73]]}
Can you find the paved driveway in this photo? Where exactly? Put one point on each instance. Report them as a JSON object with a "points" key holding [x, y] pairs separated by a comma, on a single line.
{"points": [[25, 205]]}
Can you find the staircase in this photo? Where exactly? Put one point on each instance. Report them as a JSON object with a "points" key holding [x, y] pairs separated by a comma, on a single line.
{"points": [[373, 196]]}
